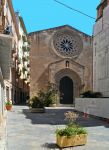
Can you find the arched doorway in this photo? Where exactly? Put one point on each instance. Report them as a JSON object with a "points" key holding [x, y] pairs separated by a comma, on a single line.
{"points": [[66, 90]]}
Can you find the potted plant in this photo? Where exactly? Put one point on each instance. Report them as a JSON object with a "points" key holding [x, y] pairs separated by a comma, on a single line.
{"points": [[48, 96], [72, 134], [35, 104], [51, 94], [8, 104]]}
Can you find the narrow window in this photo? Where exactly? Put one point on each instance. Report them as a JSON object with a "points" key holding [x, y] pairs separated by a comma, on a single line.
{"points": [[67, 64]]}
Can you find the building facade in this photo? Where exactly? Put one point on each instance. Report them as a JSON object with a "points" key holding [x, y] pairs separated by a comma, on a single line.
{"points": [[63, 57], [23, 61], [101, 49], [9, 48], [16, 87]]}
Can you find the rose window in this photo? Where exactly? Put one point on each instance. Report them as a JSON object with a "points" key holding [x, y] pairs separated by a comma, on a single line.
{"points": [[67, 44]]}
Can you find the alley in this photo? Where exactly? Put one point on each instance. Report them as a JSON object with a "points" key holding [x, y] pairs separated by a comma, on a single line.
{"points": [[36, 131]]}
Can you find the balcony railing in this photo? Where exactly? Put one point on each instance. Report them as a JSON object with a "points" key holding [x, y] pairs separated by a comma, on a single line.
{"points": [[24, 59], [15, 55], [24, 48], [24, 69], [28, 65], [24, 38]]}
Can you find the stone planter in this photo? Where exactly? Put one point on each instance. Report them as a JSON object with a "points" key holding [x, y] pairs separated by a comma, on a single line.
{"points": [[37, 110], [77, 140], [53, 105]]}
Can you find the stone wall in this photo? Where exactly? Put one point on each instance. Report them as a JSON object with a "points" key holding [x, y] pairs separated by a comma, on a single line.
{"points": [[6, 63], [93, 106], [5, 55], [101, 54], [2, 97]]}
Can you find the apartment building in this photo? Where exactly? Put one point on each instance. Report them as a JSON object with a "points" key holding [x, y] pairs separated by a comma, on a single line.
{"points": [[11, 59], [23, 61]]}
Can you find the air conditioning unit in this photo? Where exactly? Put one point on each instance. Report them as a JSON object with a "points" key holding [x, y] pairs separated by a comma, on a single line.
{"points": [[8, 30]]}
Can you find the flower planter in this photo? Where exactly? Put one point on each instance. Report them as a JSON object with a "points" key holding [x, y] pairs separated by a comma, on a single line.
{"points": [[53, 105], [76, 140], [37, 110], [8, 107]]}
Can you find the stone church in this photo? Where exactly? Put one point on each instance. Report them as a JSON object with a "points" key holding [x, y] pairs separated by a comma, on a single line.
{"points": [[63, 57]]}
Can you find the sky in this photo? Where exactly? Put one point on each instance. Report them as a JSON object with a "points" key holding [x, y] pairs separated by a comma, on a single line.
{"points": [[45, 14]]}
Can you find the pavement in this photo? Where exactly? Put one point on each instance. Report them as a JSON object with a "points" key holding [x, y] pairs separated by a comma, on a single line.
{"points": [[3, 132], [36, 131]]}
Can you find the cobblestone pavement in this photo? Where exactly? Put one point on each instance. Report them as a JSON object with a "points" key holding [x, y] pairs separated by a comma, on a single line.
{"points": [[36, 131]]}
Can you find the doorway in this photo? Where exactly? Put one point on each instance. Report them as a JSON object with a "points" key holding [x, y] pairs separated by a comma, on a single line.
{"points": [[66, 90]]}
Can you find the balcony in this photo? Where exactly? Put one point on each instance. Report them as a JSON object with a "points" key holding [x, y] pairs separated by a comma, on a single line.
{"points": [[18, 72], [18, 61], [28, 74], [12, 64], [28, 81], [24, 38], [24, 58], [28, 65], [15, 55], [24, 70], [24, 48], [28, 48]]}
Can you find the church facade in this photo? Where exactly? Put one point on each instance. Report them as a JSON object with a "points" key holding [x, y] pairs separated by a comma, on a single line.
{"points": [[61, 56]]}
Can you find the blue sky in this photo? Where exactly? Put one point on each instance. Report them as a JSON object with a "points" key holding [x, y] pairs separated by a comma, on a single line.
{"points": [[44, 14]]}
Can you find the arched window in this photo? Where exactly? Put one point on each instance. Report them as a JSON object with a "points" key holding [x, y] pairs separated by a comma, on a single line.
{"points": [[67, 64]]}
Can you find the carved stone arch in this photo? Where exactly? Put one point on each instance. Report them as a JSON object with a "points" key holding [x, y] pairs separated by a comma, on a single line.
{"points": [[61, 67], [72, 75]]}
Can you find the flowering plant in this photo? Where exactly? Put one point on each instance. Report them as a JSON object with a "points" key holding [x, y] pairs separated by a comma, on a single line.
{"points": [[72, 128], [8, 102], [71, 117]]}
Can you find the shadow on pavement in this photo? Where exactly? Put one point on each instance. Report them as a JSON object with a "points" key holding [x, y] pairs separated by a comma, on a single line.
{"points": [[54, 116], [51, 116], [50, 146]]}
